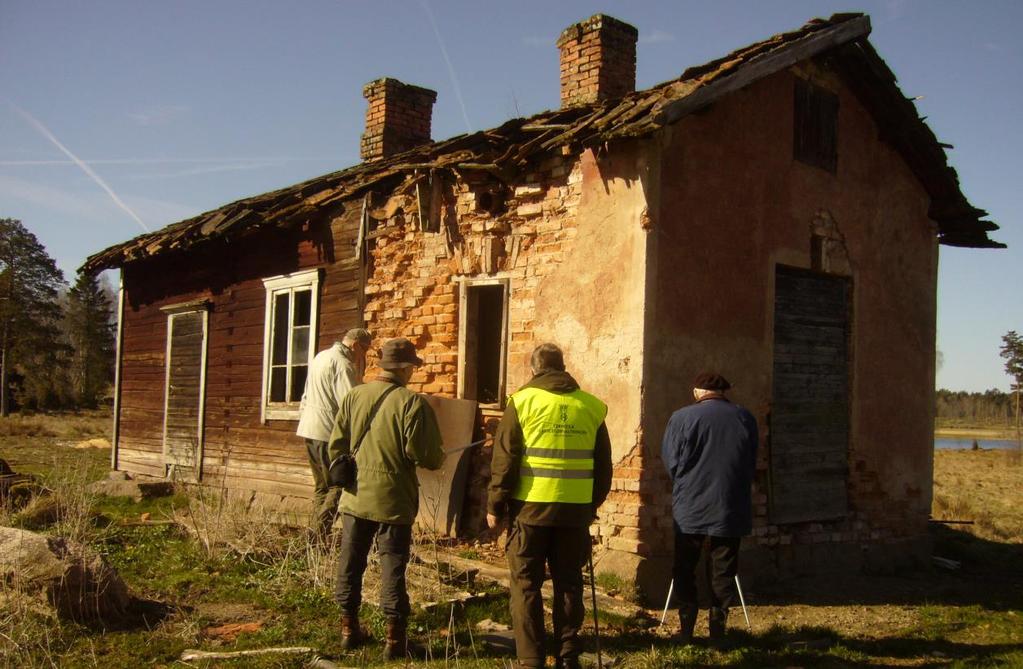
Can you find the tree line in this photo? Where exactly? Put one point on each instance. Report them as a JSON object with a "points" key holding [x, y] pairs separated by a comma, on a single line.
{"points": [[991, 407], [56, 341]]}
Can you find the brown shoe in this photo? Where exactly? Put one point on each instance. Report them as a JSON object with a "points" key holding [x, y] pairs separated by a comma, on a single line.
{"points": [[397, 640], [352, 635]]}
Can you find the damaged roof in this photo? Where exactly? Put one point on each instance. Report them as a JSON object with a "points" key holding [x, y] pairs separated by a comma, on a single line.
{"points": [[506, 150]]}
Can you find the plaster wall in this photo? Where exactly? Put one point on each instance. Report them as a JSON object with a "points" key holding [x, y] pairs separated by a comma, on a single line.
{"points": [[592, 303], [733, 205]]}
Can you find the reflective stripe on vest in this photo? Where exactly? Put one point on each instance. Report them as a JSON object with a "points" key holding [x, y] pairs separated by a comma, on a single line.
{"points": [[559, 430]]}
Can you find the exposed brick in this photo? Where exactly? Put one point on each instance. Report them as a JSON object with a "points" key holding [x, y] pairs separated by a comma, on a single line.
{"points": [[397, 119], [589, 49]]}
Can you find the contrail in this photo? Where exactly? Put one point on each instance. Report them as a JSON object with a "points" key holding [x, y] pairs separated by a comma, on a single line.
{"points": [[85, 168], [451, 68], [168, 161]]}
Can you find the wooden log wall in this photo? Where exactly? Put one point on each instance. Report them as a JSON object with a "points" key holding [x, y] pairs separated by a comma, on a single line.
{"points": [[240, 450]]}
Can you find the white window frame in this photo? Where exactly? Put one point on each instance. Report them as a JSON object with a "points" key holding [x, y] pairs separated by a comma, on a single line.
{"points": [[464, 284], [275, 285]]}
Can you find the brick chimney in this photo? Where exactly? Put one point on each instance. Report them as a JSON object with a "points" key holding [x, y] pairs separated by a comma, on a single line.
{"points": [[598, 60], [397, 119]]}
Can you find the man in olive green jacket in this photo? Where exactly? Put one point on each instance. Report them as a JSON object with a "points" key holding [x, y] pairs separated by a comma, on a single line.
{"points": [[391, 430]]}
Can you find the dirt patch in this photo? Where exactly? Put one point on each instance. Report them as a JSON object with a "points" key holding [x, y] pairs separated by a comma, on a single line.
{"points": [[231, 631], [93, 443]]}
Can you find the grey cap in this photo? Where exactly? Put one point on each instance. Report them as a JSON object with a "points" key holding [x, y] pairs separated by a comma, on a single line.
{"points": [[361, 335]]}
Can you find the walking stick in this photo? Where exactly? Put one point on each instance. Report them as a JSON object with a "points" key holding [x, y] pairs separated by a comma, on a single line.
{"points": [[596, 625], [742, 600], [467, 446], [667, 601]]}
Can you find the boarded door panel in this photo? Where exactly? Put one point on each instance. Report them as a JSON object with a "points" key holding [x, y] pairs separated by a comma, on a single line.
{"points": [[186, 351], [810, 407]]}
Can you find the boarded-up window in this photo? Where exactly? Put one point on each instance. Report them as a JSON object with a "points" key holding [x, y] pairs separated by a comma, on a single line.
{"points": [[184, 393], [289, 344], [482, 337], [815, 134], [809, 424]]}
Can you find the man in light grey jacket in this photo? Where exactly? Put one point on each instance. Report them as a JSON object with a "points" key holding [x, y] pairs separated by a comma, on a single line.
{"points": [[333, 373]]}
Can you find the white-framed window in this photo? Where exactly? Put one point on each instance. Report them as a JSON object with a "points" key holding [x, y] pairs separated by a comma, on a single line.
{"points": [[483, 340], [289, 341]]}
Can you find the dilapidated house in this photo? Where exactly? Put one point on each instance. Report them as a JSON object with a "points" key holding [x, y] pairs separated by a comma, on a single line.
{"points": [[774, 214]]}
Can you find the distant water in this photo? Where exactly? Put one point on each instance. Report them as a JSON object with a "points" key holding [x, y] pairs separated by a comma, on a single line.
{"points": [[958, 442]]}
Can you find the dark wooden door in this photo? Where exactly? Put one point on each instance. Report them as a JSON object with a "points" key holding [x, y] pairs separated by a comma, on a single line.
{"points": [[809, 427], [184, 393]]}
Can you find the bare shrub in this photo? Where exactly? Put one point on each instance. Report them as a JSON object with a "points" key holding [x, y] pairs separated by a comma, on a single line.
{"points": [[75, 503], [233, 522]]}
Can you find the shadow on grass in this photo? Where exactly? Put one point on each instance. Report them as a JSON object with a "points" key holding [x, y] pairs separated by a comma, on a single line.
{"points": [[989, 577], [808, 646]]}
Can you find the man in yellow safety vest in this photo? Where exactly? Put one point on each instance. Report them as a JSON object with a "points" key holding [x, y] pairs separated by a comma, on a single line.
{"points": [[551, 470]]}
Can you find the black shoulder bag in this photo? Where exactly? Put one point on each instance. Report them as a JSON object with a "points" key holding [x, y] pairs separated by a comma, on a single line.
{"points": [[343, 471]]}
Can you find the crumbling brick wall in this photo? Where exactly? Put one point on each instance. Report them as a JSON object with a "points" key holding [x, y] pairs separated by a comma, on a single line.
{"points": [[486, 229]]}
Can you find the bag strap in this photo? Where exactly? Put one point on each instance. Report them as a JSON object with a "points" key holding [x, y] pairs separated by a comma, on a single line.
{"points": [[372, 415]]}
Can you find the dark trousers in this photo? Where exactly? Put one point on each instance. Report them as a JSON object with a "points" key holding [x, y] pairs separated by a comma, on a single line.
{"points": [[723, 564], [532, 548], [393, 545], [325, 498]]}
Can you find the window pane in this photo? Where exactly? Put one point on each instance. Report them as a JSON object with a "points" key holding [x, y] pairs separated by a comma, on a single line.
{"points": [[298, 374], [300, 346], [278, 381], [279, 335], [303, 307]]}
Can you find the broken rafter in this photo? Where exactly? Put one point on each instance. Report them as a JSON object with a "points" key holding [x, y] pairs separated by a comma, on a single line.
{"points": [[488, 167], [543, 127]]}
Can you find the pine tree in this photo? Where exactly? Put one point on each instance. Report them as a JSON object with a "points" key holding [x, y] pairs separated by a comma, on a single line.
{"points": [[91, 335], [30, 345], [1012, 351]]}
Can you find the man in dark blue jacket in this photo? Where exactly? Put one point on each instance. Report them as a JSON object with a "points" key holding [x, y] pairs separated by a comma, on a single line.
{"points": [[710, 452]]}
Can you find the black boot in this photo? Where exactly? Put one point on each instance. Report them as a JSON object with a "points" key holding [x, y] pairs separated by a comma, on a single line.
{"points": [[718, 622], [567, 663], [687, 622]]}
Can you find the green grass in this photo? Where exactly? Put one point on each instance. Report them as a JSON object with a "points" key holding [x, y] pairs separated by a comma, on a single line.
{"points": [[616, 586], [968, 619]]}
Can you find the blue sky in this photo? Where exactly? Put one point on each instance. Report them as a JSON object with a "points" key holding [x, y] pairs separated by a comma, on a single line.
{"points": [[178, 107]]}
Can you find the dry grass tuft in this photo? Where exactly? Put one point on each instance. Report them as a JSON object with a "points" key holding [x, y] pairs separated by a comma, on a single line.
{"points": [[30, 634], [58, 425], [28, 630]]}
